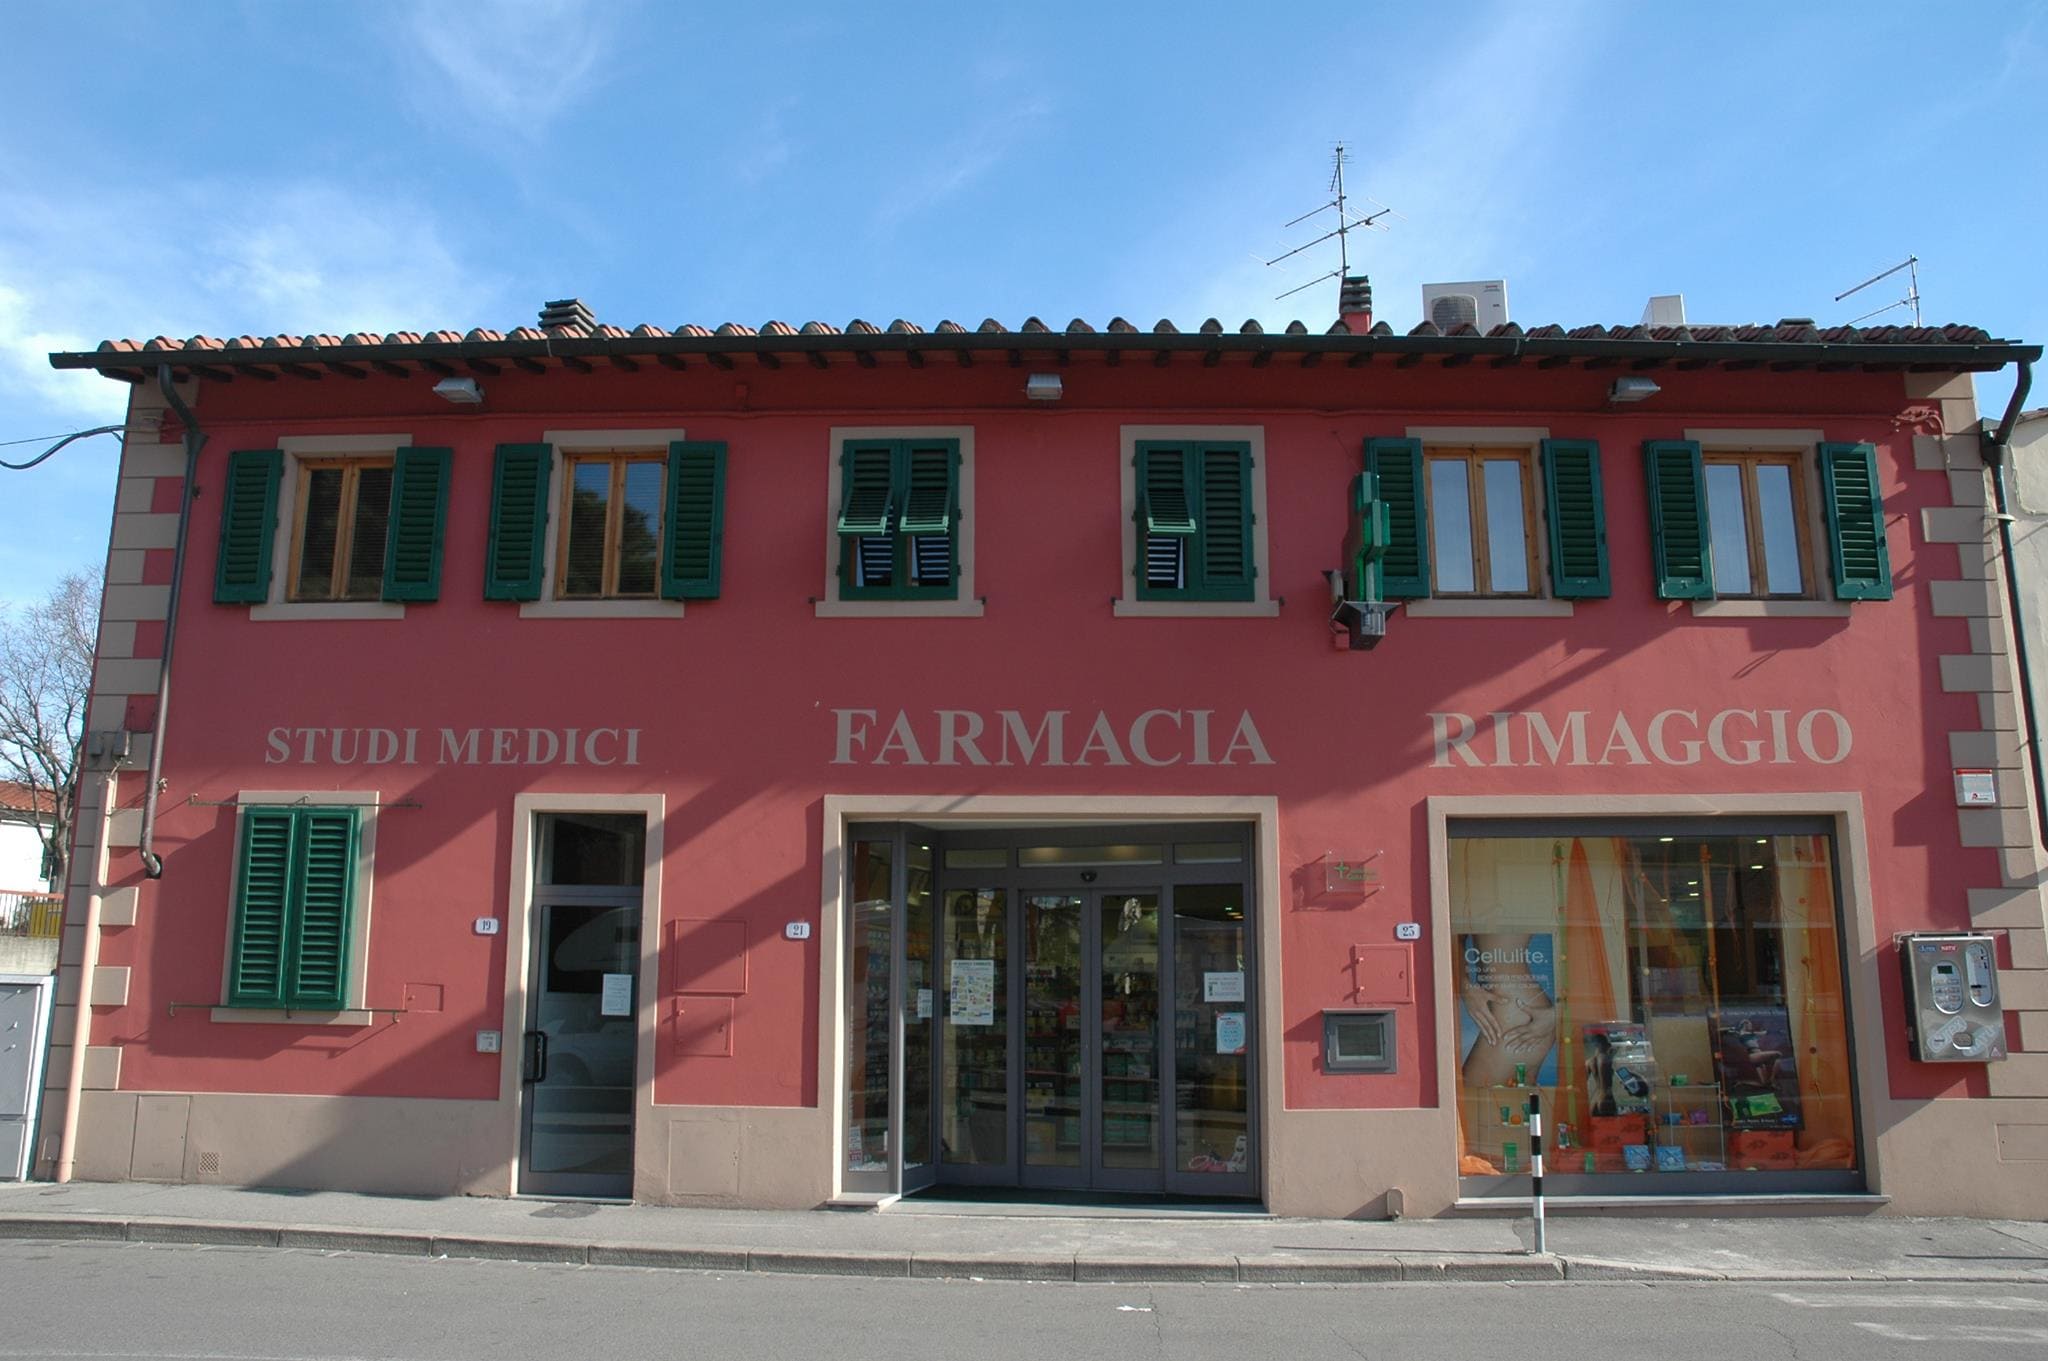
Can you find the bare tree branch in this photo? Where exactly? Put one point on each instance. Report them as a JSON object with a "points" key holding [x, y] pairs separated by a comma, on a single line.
{"points": [[46, 654]]}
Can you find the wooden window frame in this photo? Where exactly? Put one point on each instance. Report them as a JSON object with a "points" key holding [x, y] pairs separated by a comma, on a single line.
{"points": [[1475, 457], [614, 516], [1795, 462], [344, 531]]}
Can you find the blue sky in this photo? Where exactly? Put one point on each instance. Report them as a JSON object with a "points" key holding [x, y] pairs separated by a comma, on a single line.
{"points": [[289, 167]]}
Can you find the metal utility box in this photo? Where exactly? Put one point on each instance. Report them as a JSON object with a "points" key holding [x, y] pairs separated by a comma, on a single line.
{"points": [[1952, 997]]}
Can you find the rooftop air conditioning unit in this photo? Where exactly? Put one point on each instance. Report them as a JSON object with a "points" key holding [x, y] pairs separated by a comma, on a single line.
{"points": [[1483, 304]]}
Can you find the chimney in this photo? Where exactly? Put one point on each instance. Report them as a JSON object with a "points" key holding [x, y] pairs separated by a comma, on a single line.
{"points": [[1354, 304], [567, 314], [1665, 309]]}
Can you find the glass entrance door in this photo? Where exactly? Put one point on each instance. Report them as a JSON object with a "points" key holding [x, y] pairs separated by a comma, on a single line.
{"points": [[1090, 1114], [579, 1052], [578, 1060], [1058, 1010]]}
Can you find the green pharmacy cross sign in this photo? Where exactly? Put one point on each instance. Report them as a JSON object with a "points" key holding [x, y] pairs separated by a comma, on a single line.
{"points": [[1361, 612]]}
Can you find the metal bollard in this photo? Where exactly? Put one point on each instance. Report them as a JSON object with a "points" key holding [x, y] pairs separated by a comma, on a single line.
{"points": [[1536, 1166]]}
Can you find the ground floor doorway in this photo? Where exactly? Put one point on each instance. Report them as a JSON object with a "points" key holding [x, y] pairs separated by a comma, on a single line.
{"points": [[580, 1044], [1064, 1009]]}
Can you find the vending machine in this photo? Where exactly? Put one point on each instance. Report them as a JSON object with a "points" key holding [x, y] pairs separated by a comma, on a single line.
{"points": [[1952, 997]]}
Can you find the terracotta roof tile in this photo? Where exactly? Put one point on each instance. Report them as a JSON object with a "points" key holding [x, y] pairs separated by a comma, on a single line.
{"points": [[1790, 330], [19, 798]]}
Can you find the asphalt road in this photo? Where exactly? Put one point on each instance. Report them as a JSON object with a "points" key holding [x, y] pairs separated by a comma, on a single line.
{"points": [[109, 1302]]}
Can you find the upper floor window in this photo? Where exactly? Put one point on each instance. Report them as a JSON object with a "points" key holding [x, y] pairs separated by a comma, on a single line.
{"points": [[594, 523], [326, 525], [1756, 515], [1732, 522], [1482, 539], [339, 529], [899, 519], [611, 527], [1455, 516], [1194, 521]]}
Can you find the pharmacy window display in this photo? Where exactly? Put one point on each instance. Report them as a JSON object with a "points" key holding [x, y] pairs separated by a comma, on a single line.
{"points": [[1675, 996]]}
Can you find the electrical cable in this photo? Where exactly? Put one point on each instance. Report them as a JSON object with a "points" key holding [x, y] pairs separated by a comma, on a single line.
{"points": [[76, 435]]}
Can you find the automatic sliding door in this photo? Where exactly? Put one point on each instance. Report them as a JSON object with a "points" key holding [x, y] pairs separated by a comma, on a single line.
{"points": [[1212, 1038], [974, 1037], [1130, 1119], [1055, 1041]]}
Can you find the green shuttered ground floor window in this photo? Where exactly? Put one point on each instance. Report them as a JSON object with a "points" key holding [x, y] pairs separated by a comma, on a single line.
{"points": [[294, 916]]}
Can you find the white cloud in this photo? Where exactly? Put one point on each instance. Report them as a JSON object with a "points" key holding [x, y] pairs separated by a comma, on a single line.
{"points": [[308, 256], [516, 66]]}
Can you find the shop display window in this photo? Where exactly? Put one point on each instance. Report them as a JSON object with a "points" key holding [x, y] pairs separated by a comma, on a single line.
{"points": [[1676, 997]]}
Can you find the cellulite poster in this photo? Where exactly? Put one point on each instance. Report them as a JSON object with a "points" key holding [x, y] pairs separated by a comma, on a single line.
{"points": [[1507, 1009]]}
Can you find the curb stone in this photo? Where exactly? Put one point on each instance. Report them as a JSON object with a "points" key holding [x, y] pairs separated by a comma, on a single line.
{"points": [[202, 1234], [947, 1266], [1602, 1269], [667, 1258], [1139, 1270], [832, 1263], [510, 1249], [355, 1240]]}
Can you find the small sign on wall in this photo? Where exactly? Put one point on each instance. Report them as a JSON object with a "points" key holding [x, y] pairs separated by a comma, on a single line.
{"points": [[1976, 789]]}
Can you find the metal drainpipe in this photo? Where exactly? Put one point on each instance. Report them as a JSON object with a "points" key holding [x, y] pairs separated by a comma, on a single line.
{"points": [[195, 440], [1993, 444], [81, 1011]]}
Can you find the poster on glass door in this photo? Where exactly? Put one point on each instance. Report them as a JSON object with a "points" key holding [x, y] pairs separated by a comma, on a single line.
{"points": [[973, 999], [1507, 1008]]}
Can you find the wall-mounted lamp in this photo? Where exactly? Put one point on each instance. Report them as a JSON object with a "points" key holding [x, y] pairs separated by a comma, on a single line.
{"points": [[1044, 387], [461, 391], [1632, 388]]}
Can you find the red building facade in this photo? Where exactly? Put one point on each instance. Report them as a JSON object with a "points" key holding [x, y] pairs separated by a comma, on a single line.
{"points": [[784, 767]]}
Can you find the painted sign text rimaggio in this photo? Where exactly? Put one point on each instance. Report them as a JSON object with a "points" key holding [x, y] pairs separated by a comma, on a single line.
{"points": [[453, 746], [1669, 737], [956, 737]]}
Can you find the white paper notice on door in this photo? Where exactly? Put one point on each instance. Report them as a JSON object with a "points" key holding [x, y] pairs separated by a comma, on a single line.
{"points": [[1230, 1032], [924, 1004], [974, 992], [617, 997], [1223, 987]]}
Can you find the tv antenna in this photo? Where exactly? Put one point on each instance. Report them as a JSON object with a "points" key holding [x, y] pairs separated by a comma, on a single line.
{"points": [[1911, 264], [1347, 222]]}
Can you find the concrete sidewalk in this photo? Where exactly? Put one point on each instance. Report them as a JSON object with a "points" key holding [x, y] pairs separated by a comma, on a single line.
{"points": [[1137, 1244]]}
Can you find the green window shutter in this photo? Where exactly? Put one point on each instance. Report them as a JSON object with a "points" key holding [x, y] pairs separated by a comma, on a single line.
{"points": [[1577, 515], [1404, 568], [1167, 546], [1163, 507], [324, 905], [931, 504], [248, 526], [1226, 569], [418, 520], [867, 488], [514, 564], [693, 529], [1682, 554], [1853, 505], [263, 886]]}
